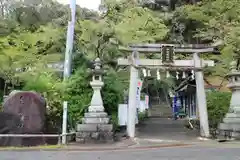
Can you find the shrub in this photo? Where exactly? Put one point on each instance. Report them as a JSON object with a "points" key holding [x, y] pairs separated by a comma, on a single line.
{"points": [[51, 87], [114, 122], [217, 105], [112, 92], [79, 93]]}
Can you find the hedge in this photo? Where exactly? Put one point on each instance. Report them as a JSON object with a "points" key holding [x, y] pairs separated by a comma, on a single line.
{"points": [[217, 105]]}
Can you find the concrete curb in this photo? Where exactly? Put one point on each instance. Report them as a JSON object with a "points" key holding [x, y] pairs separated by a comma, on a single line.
{"points": [[84, 147], [117, 147], [156, 140]]}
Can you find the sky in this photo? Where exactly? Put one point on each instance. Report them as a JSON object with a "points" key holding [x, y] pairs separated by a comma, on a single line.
{"points": [[90, 4]]}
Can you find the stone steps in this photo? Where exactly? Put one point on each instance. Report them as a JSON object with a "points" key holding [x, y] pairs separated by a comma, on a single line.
{"points": [[160, 111]]}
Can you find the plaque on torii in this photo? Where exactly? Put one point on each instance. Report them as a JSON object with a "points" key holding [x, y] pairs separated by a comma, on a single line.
{"points": [[167, 54]]}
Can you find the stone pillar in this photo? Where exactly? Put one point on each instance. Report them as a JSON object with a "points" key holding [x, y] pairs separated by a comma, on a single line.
{"points": [[231, 122], [201, 97], [132, 102], [95, 124]]}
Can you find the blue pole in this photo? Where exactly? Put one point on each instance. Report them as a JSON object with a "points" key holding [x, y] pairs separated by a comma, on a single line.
{"points": [[67, 64]]}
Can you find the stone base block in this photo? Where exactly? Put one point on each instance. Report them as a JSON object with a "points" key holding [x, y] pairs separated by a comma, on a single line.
{"points": [[95, 120], [230, 127], [232, 115], [228, 135], [105, 127], [229, 131], [97, 133], [230, 120], [94, 127], [94, 137], [87, 127], [96, 108], [95, 114]]}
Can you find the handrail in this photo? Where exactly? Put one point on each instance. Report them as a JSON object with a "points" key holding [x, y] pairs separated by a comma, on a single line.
{"points": [[35, 135]]}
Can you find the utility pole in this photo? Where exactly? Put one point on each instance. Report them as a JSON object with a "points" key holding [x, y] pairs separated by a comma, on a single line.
{"points": [[67, 64]]}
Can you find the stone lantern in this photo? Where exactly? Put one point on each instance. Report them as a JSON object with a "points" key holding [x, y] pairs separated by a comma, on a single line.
{"points": [[231, 122], [95, 124], [97, 84]]}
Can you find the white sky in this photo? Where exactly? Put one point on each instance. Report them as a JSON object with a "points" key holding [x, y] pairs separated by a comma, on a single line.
{"points": [[90, 4]]}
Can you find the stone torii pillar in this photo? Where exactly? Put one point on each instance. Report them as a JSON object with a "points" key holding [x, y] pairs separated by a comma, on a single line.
{"points": [[201, 97], [132, 103]]}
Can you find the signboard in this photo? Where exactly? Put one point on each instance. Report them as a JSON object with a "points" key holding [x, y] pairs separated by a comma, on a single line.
{"points": [[122, 114], [142, 107], [167, 53], [123, 108]]}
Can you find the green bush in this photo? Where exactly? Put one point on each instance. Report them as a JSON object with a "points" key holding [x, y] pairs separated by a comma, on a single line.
{"points": [[112, 92], [51, 87], [114, 122], [217, 105], [142, 116], [79, 93]]}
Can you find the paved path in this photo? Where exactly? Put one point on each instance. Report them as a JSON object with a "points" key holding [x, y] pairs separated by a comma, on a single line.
{"points": [[166, 129], [173, 153]]}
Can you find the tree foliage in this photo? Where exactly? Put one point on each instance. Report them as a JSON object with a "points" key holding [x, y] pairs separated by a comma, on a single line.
{"points": [[32, 36], [212, 21]]}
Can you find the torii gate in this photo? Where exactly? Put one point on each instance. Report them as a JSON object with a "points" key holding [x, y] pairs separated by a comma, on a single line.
{"points": [[167, 62]]}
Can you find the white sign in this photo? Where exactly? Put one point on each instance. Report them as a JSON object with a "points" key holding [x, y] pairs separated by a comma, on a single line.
{"points": [[142, 107], [122, 114]]}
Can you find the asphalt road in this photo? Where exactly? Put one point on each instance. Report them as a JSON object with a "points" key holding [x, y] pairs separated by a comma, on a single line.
{"points": [[174, 153]]}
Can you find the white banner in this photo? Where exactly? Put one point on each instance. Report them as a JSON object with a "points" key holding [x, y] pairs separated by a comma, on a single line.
{"points": [[139, 88], [146, 101]]}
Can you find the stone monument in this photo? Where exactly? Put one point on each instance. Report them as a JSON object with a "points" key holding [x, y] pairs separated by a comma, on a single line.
{"points": [[95, 125], [231, 123], [24, 112]]}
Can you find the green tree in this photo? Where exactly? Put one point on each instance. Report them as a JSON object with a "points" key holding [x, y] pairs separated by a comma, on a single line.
{"points": [[23, 52], [123, 23], [215, 20]]}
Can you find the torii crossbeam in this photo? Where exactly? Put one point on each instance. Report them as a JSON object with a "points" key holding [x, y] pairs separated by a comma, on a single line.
{"points": [[157, 63]]}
